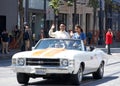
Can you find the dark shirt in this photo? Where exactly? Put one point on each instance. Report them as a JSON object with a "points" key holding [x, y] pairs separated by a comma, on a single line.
{"points": [[26, 36], [5, 37]]}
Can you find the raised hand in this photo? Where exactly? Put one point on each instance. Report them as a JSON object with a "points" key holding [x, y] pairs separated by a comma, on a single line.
{"points": [[53, 26]]}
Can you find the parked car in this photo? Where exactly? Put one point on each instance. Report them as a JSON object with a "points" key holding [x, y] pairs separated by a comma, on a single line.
{"points": [[51, 58]]}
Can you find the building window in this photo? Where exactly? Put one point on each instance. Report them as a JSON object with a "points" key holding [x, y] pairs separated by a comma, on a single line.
{"points": [[81, 19], [76, 18], [62, 18]]}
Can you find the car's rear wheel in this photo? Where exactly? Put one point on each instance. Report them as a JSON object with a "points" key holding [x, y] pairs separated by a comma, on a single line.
{"points": [[22, 78], [99, 73], [77, 78]]}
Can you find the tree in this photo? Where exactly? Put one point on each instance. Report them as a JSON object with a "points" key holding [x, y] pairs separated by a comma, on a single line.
{"points": [[54, 4], [108, 6], [21, 12], [70, 4], [95, 5]]}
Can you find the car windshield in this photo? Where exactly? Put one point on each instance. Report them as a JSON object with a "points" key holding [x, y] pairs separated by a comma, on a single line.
{"points": [[59, 43]]}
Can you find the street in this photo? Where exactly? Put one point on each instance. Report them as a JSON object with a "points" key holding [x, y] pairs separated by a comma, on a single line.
{"points": [[111, 76]]}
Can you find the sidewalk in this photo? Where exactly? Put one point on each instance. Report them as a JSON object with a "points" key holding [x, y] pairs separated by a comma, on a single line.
{"points": [[113, 45], [11, 53]]}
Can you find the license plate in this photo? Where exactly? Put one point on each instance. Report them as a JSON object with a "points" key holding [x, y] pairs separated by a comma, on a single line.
{"points": [[41, 71]]}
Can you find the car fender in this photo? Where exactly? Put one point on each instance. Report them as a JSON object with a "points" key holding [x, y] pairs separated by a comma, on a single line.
{"points": [[77, 63]]}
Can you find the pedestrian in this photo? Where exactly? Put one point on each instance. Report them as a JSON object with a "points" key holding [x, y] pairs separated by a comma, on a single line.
{"points": [[42, 35], [59, 34], [79, 34], [16, 32], [108, 41], [27, 37], [5, 41]]}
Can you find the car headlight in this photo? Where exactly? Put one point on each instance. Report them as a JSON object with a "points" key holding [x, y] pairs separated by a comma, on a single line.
{"points": [[21, 61], [64, 62]]}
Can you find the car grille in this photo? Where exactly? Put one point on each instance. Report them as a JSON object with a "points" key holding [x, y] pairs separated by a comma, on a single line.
{"points": [[42, 62]]}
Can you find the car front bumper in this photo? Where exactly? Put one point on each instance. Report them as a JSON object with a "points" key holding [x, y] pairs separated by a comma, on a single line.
{"points": [[43, 70]]}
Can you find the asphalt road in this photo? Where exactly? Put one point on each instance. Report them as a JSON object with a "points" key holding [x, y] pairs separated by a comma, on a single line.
{"points": [[111, 76]]}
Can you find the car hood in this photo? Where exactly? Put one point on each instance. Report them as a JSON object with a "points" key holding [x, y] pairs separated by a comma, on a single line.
{"points": [[47, 53]]}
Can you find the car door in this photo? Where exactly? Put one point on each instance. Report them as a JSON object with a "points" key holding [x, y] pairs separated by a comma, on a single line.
{"points": [[91, 61]]}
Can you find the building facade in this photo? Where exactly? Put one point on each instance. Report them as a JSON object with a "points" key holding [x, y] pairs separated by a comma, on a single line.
{"points": [[8, 14], [116, 20], [41, 16], [84, 15]]}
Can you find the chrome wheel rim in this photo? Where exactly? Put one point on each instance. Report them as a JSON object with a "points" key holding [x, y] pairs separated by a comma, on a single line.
{"points": [[80, 75], [101, 69]]}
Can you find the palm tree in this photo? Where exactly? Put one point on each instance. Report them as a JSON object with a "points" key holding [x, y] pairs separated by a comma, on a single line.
{"points": [[70, 4], [54, 4], [21, 15], [95, 5], [21, 12], [108, 5]]}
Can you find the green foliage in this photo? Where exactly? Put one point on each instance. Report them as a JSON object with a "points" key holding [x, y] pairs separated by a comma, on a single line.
{"points": [[93, 3], [108, 1], [70, 2], [55, 6], [116, 7]]}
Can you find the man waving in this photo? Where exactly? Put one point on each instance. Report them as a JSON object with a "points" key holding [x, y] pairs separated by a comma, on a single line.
{"points": [[59, 34]]}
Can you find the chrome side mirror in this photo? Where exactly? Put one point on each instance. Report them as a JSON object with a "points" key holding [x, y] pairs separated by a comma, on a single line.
{"points": [[33, 48]]}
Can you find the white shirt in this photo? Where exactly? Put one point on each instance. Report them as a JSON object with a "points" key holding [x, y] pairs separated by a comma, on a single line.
{"points": [[59, 34]]}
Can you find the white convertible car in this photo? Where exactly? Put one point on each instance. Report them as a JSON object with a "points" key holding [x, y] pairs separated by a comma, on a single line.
{"points": [[52, 58]]}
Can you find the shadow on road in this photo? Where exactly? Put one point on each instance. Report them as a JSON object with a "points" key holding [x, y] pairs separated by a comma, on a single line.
{"points": [[87, 81], [49, 83], [113, 63], [100, 81]]}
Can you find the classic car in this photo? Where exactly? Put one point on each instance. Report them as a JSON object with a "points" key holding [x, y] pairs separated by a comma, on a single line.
{"points": [[53, 58]]}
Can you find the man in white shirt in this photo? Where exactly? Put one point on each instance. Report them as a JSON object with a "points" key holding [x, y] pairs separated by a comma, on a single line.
{"points": [[59, 34]]}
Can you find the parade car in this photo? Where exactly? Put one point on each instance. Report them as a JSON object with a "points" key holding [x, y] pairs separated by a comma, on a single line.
{"points": [[54, 58]]}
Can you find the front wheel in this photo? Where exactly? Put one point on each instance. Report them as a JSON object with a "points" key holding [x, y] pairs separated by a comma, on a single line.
{"points": [[22, 78], [77, 78], [99, 73]]}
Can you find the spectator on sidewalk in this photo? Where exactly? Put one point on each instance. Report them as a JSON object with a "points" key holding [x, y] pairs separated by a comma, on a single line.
{"points": [[16, 32], [27, 37], [42, 35], [108, 41], [5, 41], [59, 34]]}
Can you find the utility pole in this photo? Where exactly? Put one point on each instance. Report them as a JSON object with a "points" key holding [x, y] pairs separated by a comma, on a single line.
{"points": [[100, 41], [75, 12], [25, 22], [26, 12], [45, 29]]}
